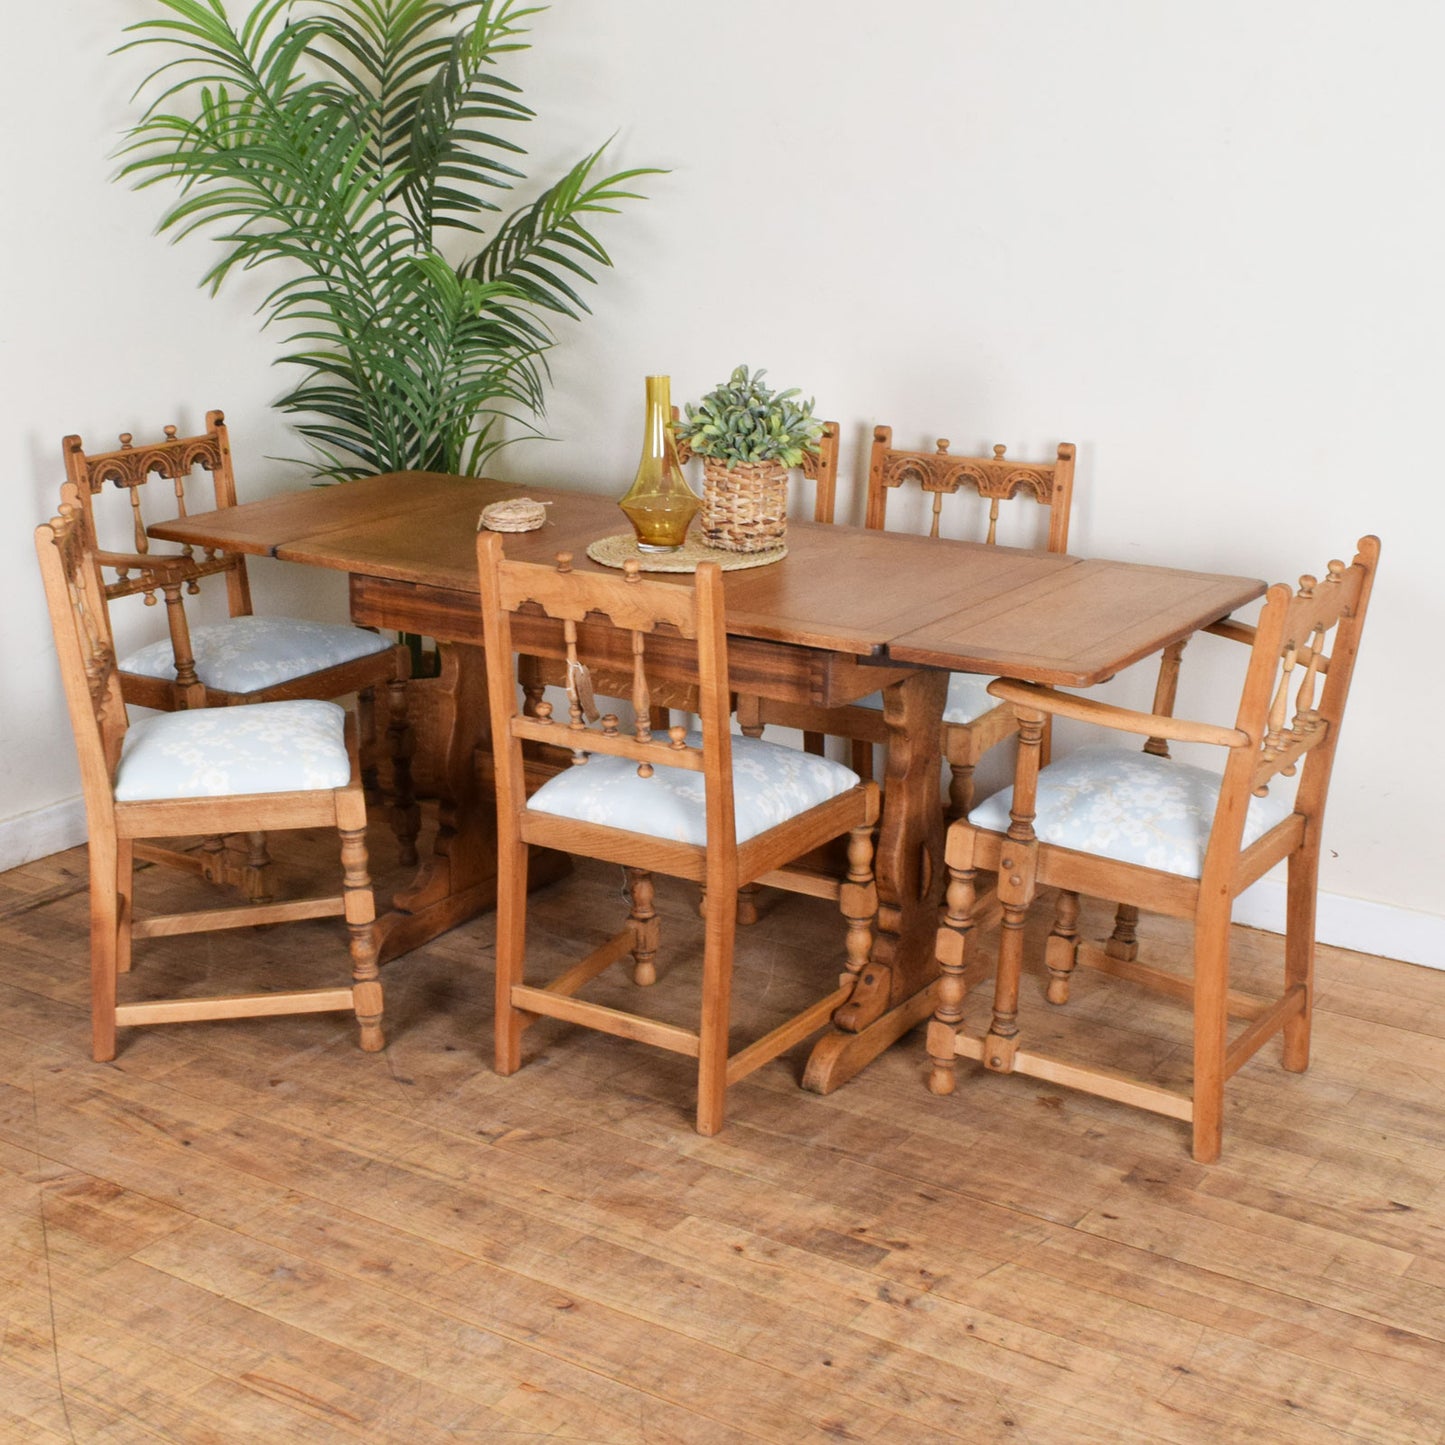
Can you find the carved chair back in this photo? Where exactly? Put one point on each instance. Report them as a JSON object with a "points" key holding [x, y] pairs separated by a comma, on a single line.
{"points": [[84, 648], [1298, 680], [994, 479], [606, 623], [173, 463]]}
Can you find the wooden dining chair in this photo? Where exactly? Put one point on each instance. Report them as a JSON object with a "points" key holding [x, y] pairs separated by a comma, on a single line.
{"points": [[705, 806], [1168, 836], [973, 721], [260, 766], [243, 658]]}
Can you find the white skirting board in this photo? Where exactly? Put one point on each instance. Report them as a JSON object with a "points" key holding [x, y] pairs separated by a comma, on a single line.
{"points": [[41, 833], [1354, 923]]}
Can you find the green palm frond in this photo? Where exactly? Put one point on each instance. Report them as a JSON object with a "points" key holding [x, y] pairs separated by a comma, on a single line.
{"points": [[332, 140]]}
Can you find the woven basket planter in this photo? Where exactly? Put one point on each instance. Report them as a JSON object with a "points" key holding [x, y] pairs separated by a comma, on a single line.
{"points": [[744, 509]]}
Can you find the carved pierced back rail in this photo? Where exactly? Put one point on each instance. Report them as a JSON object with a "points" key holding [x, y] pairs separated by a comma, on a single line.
{"points": [[581, 601], [1303, 706], [995, 479], [154, 478], [82, 637]]}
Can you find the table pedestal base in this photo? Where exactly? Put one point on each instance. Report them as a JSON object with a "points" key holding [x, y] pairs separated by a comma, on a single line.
{"points": [[838, 1055]]}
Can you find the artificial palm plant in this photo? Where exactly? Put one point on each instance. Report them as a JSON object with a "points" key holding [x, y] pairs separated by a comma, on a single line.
{"points": [[334, 140]]}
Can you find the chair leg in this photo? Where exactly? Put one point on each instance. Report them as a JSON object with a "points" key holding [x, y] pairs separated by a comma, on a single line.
{"points": [[366, 726], [643, 922], [858, 901], [1061, 951], [511, 955], [1211, 1029], [960, 790], [954, 938], [401, 743], [360, 907], [720, 936], [105, 910], [750, 724], [862, 759], [1299, 952], [255, 874], [125, 901], [1124, 941]]}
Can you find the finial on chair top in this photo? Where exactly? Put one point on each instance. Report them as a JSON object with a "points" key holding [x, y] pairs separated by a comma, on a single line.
{"points": [[998, 452], [564, 561], [942, 445], [632, 570], [125, 441]]}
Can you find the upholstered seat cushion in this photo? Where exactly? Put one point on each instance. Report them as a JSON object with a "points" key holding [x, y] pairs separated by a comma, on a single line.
{"points": [[1128, 805], [968, 698], [247, 654], [770, 785], [261, 747]]}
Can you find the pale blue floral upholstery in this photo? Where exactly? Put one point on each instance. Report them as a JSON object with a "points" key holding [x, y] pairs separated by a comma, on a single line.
{"points": [[261, 747], [1120, 803], [770, 785], [968, 698], [247, 654]]}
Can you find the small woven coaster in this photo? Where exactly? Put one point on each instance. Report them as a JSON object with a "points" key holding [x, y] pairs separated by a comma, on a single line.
{"points": [[614, 551], [516, 514]]}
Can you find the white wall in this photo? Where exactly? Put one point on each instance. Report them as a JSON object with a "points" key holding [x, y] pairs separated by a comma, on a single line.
{"points": [[1198, 241]]}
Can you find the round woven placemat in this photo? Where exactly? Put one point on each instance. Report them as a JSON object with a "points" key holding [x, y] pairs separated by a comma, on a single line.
{"points": [[614, 551]]}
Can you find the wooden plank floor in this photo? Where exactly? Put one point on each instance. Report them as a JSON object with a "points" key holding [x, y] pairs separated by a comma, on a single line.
{"points": [[252, 1231]]}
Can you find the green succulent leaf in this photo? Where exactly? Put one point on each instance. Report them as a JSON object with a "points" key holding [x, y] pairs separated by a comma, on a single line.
{"points": [[742, 420]]}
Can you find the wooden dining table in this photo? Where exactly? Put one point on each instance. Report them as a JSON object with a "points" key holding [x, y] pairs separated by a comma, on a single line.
{"points": [[845, 613]]}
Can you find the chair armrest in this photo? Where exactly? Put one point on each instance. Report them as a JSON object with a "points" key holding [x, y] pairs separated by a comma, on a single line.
{"points": [[1123, 719], [168, 567]]}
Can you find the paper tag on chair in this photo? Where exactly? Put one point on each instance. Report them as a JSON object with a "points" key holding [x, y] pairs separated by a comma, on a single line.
{"points": [[579, 683]]}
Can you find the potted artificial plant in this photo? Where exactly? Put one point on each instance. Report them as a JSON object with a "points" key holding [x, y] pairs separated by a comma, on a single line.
{"points": [[346, 146], [748, 436]]}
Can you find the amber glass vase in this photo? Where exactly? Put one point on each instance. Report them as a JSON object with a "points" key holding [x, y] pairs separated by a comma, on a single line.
{"points": [[659, 504]]}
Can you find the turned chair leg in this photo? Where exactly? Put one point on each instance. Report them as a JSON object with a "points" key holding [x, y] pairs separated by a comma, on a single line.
{"points": [[1061, 951], [960, 790], [954, 940], [255, 872], [643, 922], [751, 726], [360, 906], [366, 727], [858, 902], [1124, 941]]}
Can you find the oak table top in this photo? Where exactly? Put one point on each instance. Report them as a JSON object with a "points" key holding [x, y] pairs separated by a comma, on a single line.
{"points": [[884, 596], [848, 611]]}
